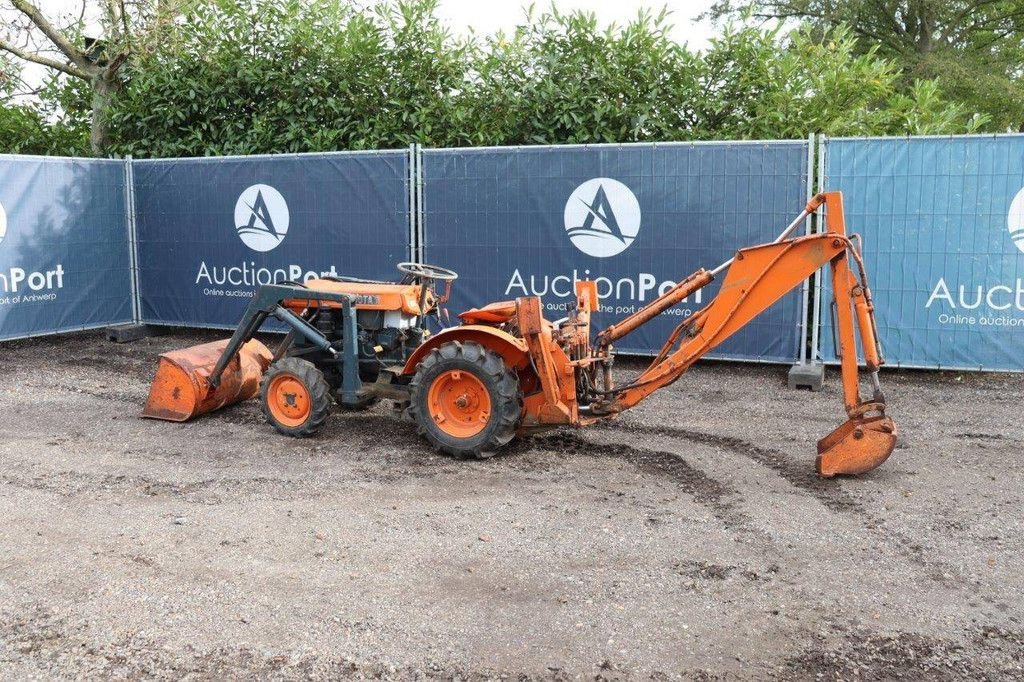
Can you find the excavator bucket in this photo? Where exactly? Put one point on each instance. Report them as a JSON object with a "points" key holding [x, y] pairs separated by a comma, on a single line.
{"points": [[181, 389], [856, 447]]}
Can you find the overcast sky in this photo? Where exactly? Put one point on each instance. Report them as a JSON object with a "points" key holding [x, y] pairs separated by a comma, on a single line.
{"points": [[489, 16]]}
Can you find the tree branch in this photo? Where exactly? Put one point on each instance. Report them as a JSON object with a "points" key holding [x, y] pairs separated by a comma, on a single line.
{"points": [[44, 61], [124, 26], [113, 18], [997, 36], [115, 65], [73, 54]]}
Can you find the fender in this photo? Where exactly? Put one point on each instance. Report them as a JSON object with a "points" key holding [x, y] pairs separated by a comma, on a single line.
{"points": [[511, 349]]}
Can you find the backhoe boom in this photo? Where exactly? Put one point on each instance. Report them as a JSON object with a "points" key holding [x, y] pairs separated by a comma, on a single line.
{"points": [[756, 278]]}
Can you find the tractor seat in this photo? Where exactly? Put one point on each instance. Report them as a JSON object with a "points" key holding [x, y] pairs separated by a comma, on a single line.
{"points": [[493, 313]]}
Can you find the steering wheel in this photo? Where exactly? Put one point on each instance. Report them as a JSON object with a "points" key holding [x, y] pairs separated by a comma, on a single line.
{"points": [[425, 271]]}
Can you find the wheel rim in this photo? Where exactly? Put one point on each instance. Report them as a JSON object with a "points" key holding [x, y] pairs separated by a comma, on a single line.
{"points": [[459, 403], [288, 400]]}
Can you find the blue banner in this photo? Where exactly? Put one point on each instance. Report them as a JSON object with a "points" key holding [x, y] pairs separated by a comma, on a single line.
{"points": [[943, 227], [634, 218], [64, 254], [211, 230]]}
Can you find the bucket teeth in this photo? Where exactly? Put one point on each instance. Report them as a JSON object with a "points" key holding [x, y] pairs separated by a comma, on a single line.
{"points": [[857, 446], [181, 388]]}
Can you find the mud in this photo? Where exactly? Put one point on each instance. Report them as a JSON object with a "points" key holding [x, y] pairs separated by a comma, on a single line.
{"points": [[687, 539]]}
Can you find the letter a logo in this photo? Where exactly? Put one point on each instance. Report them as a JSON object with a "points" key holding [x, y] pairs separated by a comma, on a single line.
{"points": [[261, 217], [1015, 220], [602, 217]]}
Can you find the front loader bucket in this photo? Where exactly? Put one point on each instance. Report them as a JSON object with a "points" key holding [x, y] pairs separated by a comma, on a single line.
{"points": [[856, 447], [181, 389]]}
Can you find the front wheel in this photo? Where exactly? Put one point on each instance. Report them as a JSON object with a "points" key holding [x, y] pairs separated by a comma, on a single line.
{"points": [[465, 401], [295, 397]]}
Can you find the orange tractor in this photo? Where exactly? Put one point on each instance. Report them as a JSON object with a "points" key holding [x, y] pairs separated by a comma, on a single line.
{"points": [[506, 370]]}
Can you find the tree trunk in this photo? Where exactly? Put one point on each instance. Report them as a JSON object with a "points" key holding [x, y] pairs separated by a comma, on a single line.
{"points": [[102, 94], [926, 30]]}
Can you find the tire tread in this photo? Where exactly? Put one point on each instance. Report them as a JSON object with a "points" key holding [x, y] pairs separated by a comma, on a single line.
{"points": [[508, 401], [315, 383]]}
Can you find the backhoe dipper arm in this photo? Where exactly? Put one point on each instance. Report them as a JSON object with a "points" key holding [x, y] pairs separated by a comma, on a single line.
{"points": [[756, 278]]}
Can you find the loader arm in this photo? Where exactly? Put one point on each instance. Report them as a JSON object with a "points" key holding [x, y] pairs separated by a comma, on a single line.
{"points": [[755, 279], [204, 378]]}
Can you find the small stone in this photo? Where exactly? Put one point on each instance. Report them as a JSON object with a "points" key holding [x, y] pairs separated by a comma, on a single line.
{"points": [[180, 520]]}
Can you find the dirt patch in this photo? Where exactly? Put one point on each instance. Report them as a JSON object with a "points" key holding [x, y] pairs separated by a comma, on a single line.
{"points": [[689, 539], [714, 494], [797, 474], [868, 656], [701, 570]]}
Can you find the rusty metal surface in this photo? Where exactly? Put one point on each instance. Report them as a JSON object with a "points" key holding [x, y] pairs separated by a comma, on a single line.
{"points": [[679, 292], [857, 446], [181, 388]]}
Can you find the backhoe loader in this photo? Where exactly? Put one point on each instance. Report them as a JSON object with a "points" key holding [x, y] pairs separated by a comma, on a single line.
{"points": [[507, 371]]}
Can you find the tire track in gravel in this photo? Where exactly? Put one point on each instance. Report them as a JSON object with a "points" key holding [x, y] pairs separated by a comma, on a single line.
{"points": [[826, 491], [988, 653], [719, 498], [362, 430], [797, 475]]}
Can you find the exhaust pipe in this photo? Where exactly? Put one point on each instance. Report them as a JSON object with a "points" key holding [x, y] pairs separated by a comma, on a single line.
{"points": [[182, 389]]}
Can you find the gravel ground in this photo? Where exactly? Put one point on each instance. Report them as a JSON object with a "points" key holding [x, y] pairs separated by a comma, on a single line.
{"points": [[689, 539]]}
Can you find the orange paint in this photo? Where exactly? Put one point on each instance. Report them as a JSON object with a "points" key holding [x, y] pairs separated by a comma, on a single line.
{"points": [[459, 404]]}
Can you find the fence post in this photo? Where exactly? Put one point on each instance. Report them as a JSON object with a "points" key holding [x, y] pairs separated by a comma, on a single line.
{"points": [[412, 197], [816, 310], [136, 329], [805, 289], [420, 228], [809, 374], [133, 241]]}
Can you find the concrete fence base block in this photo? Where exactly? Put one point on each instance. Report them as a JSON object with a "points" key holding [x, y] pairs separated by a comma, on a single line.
{"points": [[807, 375], [126, 333]]}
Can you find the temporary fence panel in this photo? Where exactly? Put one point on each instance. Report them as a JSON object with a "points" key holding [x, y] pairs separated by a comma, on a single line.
{"points": [[211, 230], [64, 253], [635, 218], [942, 220]]}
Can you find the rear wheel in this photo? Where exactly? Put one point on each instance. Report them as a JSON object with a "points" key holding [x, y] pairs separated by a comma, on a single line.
{"points": [[295, 397], [465, 401]]}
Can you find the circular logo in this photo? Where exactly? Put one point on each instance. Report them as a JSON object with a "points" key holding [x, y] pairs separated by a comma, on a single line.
{"points": [[1015, 220], [261, 217], [3, 223], [602, 217]]}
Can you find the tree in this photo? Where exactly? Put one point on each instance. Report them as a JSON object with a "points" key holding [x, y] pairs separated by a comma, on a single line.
{"points": [[774, 84], [247, 77], [29, 126], [33, 37], [974, 48], [562, 78], [285, 76]]}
